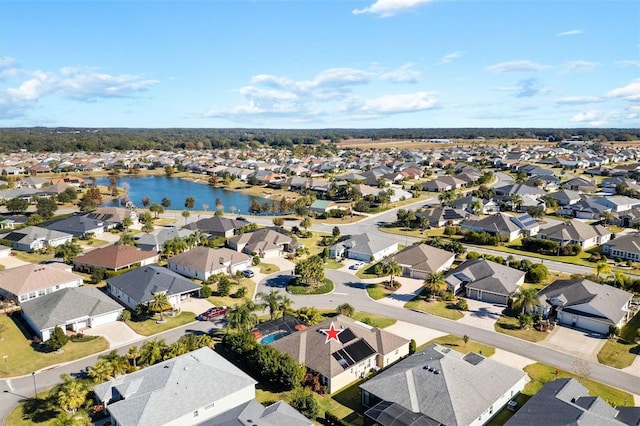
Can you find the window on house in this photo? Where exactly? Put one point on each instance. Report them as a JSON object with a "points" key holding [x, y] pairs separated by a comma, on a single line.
{"points": [[195, 413], [491, 410]]}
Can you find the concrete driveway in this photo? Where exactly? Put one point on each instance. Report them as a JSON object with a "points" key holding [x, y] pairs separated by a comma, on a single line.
{"points": [[11, 262], [116, 333], [195, 305], [482, 314], [409, 289], [410, 331], [581, 343]]}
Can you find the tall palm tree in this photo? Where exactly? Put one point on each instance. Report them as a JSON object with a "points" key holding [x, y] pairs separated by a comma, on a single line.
{"points": [[242, 316], [476, 207], [152, 351], [101, 371], [435, 283], [159, 303], [308, 315], [133, 354], [516, 201], [285, 305], [270, 301], [392, 268], [72, 394], [602, 267], [526, 300], [126, 239]]}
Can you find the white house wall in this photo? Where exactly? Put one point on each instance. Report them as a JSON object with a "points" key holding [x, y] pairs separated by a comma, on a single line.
{"points": [[500, 403], [104, 319]]}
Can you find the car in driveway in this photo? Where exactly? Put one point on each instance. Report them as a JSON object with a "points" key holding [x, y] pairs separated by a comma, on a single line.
{"points": [[248, 273], [212, 313], [356, 266]]}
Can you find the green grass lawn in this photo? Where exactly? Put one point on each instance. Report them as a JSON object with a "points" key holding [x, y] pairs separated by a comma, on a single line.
{"points": [[23, 359], [374, 320], [303, 289], [149, 327], [622, 352], [457, 343], [232, 301], [332, 264], [32, 257], [511, 326], [439, 308], [413, 232], [379, 290], [268, 268]]}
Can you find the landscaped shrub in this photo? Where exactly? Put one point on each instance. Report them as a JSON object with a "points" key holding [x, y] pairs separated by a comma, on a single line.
{"points": [[205, 291], [473, 255], [540, 245], [302, 399], [537, 273], [58, 339], [125, 315], [333, 420], [482, 238], [412, 348], [452, 230], [447, 296], [462, 305]]}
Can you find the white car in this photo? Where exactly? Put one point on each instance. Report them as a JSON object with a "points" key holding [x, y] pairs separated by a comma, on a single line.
{"points": [[356, 266]]}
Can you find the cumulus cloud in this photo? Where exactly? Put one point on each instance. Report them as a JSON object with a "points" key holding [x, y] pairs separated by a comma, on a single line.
{"points": [[517, 66], [387, 8], [397, 103], [630, 92], [580, 66], [26, 88], [577, 100], [595, 118], [450, 57], [570, 33], [404, 74]]}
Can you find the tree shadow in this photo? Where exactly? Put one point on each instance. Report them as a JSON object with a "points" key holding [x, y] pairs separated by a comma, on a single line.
{"points": [[39, 410]]}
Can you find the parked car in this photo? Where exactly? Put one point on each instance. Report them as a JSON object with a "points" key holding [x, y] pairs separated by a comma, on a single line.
{"points": [[248, 273], [356, 266], [211, 313]]}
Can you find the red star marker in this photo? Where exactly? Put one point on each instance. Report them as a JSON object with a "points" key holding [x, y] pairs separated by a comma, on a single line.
{"points": [[332, 333]]}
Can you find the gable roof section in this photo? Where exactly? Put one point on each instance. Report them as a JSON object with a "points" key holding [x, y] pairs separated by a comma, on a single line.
{"points": [[444, 396], [115, 256], [264, 239], [486, 275], [195, 380], [277, 414], [423, 257], [33, 233], [208, 259], [605, 299], [216, 224], [142, 283], [78, 224], [363, 243], [574, 229], [629, 243], [496, 223], [61, 306], [33, 277], [162, 235]]}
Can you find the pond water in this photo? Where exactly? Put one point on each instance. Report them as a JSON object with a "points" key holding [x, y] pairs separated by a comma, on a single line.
{"points": [[177, 190]]}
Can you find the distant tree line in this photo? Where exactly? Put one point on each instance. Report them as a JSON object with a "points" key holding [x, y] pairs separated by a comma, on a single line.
{"points": [[44, 139]]}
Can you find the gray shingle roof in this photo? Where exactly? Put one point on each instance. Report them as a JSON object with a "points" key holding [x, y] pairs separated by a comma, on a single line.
{"points": [[495, 224], [486, 275], [574, 229], [207, 259], [629, 243], [69, 303], [363, 243], [458, 394], [277, 414], [140, 284], [423, 257], [168, 390]]}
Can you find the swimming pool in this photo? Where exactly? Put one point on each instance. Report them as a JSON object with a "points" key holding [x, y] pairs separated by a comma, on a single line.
{"points": [[270, 338]]}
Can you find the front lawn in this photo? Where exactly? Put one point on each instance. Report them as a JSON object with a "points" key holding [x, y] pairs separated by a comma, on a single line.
{"points": [[150, 327], [232, 301], [457, 343], [379, 290], [509, 324], [268, 268], [22, 358], [622, 352], [439, 308], [374, 320], [32, 257], [325, 288]]}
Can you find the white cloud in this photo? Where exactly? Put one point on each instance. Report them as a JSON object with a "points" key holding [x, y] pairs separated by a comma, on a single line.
{"points": [[630, 92], [404, 74], [595, 118], [580, 65], [570, 33], [450, 57], [387, 8], [517, 66], [627, 63], [87, 85], [397, 103], [576, 100]]}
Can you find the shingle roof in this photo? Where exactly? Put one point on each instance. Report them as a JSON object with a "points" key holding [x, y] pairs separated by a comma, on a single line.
{"points": [[277, 414], [166, 391], [33, 277], [363, 243], [607, 302], [262, 239], [308, 346], [574, 229], [32, 233], [208, 259], [140, 284], [61, 306], [78, 225], [485, 275], [115, 256], [161, 235], [461, 390], [423, 257], [495, 223], [629, 243], [216, 224]]}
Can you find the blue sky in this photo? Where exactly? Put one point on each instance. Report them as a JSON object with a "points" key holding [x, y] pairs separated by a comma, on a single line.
{"points": [[320, 63]]}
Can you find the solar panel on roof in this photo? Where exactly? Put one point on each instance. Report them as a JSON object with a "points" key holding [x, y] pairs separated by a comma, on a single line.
{"points": [[346, 336], [359, 350]]}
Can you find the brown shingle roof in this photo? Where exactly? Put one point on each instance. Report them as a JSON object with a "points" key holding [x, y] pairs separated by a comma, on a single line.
{"points": [[207, 259], [115, 256], [27, 278]]}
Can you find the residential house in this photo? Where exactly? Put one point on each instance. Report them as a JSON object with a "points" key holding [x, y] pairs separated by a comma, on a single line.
{"points": [[30, 281], [565, 197], [566, 401], [34, 238], [114, 258], [155, 240], [625, 247], [363, 247], [217, 226], [629, 218], [359, 349], [72, 309], [442, 184], [114, 214], [527, 224], [485, 280], [140, 284], [586, 208], [579, 184], [322, 206], [81, 226], [521, 190], [583, 304], [499, 224], [197, 388], [468, 204], [576, 232], [419, 260], [440, 386], [203, 262], [619, 203], [264, 242], [442, 216]]}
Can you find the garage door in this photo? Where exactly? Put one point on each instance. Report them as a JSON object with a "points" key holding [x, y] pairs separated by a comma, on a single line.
{"points": [[494, 298], [104, 319], [590, 324]]}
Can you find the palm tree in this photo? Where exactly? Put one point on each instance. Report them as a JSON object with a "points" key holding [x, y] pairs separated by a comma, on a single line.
{"points": [[118, 363], [186, 214], [152, 351], [126, 239], [80, 418], [101, 371], [602, 267], [526, 300], [392, 268], [72, 394], [308, 315], [516, 201], [285, 305], [176, 349], [242, 316], [159, 303], [435, 283], [270, 301], [133, 354], [305, 223], [606, 217], [476, 207], [68, 251]]}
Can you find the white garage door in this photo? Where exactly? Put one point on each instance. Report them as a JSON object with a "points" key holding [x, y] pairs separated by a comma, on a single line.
{"points": [[104, 319], [590, 324]]}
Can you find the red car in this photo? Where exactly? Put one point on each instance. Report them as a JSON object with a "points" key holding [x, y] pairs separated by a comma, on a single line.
{"points": [[212, 313]]}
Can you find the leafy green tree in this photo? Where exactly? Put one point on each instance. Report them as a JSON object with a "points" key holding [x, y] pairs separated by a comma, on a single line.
{"points": [[525, 321], [159, 303], [71, 394], [165, 202], [189, 202], [186, 214], [58, 339], [46, 207], [125, 315], [305, 223], [68, 251], [537, 273], [224, 286], [17, 205], [156, 209], [146, 200], [169, 170], [278, 221], [255, 206], [346, 310], [205, 291], [335, 232], [302, 399]]}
